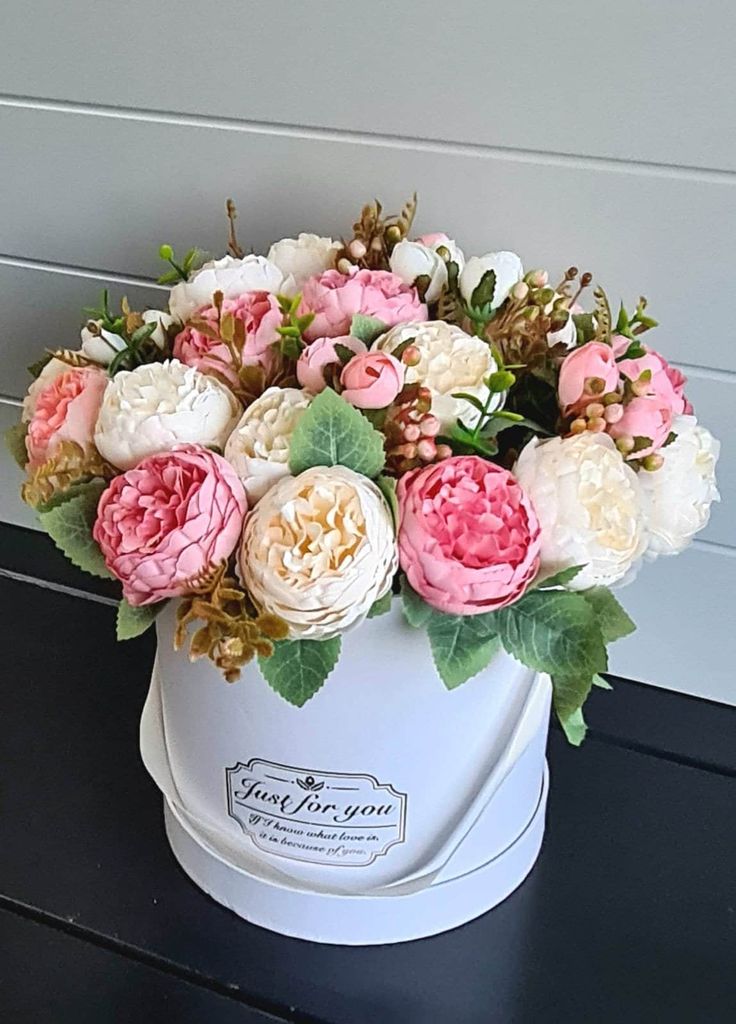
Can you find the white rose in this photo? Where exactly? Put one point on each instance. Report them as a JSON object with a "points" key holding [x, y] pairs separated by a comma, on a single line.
{"points": [[589, 506], [318, 550], [410, 260], [677, 496], [507, 268], [450, 361], [159, 405], [303, 257], [53, 368], [258, 447], [228, 275], [100, 345]]}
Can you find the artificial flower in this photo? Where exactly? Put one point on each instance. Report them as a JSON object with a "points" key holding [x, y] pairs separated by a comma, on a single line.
{"points": [[372, 380], [665, 382], [158, 406], [469, 535], [318, 550], [648, 417], [233, 277], [53, 368], [335, 298], [303, 257], [589, 505], [437, 240], [99, 344], [318, 356], [163, 524], [65, 409], [585, 374], [412, 260], [258, 447], [505, 265]]}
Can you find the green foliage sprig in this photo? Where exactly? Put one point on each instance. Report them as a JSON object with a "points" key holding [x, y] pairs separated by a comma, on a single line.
{"points": [[180, 269]]}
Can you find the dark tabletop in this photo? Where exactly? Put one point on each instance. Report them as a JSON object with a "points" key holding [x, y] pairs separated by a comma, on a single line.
{"points": [[629, 915]]}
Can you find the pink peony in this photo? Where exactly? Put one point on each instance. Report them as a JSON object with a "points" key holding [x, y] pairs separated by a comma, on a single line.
{"points": [[650, 417], [666, 382], [372, 380], [172, 517], [314, 360], [335, 298], [65, 410], [469, 537], [592, 361], [261, 316]]}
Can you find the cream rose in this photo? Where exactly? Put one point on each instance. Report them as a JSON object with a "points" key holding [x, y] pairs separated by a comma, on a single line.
{"points": [[318, 550], [303, 257], [228, 275], [677, 496], [258, 447], [159, 405], [589, 505], [450, 361], [506, 266]]}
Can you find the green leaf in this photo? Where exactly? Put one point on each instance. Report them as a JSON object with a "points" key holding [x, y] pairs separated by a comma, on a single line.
{"points": [[367, 328], [416, 611], [170, 277], [387, 487], [613, 621], [332, 433], [471, 399], [15, 441], [601, 683], [381, 606], [298, 668], [483, 292], [35, 368], [462, 645], [569, 693], [70, 523], [574, 727], [585, 327], [132, 622], [561, 578]]}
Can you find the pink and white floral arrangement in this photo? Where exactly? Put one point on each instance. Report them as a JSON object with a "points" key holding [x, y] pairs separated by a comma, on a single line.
{"points": [[304, 436]]}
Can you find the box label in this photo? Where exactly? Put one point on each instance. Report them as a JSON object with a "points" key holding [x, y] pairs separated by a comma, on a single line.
{"points": [[319, 817]]}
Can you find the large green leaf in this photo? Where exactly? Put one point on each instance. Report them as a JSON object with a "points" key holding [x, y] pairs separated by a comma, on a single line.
{"points": [[416, 611], [15, 440], [381, 606], [560, 579], [332, 433], [462, 645], [132, 622], [298, 668], [367, 328], [69, 523], [387, 487], [612, 619]]}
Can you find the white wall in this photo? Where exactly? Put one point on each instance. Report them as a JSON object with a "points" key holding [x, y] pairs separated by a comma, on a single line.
{"points": [[576, 132]]}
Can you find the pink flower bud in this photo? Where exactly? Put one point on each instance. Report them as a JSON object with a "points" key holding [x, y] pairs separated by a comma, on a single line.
{"points": [[426, 450], [613, 413], [444, 451], [430, 426], [357, 249], [412, 432], [411, 356]]}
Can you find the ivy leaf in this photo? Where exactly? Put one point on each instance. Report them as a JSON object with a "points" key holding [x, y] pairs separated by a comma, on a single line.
{"points": [[561, 578], [381, 606], [462, 645], [613, 621], [132, 622], [15, 441], [332, 433], [416, 611], [69, 524], [387, 487], [367, 328], [298, 668], [483, 291], [574, 727]]}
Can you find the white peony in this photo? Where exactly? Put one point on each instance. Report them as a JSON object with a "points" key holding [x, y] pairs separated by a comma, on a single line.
{"points": [[410, 260], [53, 368], [318, 550], [677, 496], [303, 257], [258, 447], [232, 277], [507, 268], [159, 405], [450, 361], [589, 506]]}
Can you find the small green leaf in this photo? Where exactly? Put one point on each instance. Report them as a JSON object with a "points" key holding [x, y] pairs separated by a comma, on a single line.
{"points": [[367, 328], [483, 292], [298, 668], [416, 611], [132, 622], [574, 727], [471, 399], [343, 353], [387, 487], [601, 683], [561, 578], [15, 441], [381, 606], [170, 277], [613, 621], [35, 368], [70, 523], [332, 433], [585, 327], [462, 645]]}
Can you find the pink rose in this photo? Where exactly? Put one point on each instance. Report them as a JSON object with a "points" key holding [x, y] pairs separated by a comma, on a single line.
{"points": [[261, 316], [372, 380], [650, 417], [314, 360], [666, 382], [594, 360], [172, 517], [335, 298], [65, 410], [469, 537]]}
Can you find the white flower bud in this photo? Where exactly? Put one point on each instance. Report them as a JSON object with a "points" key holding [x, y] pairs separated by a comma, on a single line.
{"points": [[303, 257], [100, 345], [163, 322], [410, 260], [507, 268]]}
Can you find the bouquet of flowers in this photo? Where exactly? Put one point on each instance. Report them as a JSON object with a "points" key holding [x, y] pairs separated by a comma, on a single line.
{"points": [[303, 437]]}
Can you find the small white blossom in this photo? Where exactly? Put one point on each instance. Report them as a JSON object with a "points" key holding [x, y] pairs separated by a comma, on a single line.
{"points": [[233, 277], [505, 265], [410, 260]]}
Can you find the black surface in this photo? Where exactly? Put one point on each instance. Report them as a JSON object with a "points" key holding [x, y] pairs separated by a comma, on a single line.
{"points": [[629, 915]]}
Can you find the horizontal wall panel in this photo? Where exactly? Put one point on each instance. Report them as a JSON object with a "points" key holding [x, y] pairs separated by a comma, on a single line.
{"points": [[44, 309], [685, 640], [627, 80], [106, 192]]}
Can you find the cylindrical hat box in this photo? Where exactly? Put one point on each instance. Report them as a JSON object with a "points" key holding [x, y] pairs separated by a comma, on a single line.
{"points": [[387, 808]]}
